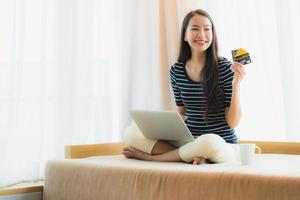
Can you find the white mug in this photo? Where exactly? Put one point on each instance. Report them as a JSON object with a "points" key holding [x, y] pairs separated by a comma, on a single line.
{"points": [[247, 152]]}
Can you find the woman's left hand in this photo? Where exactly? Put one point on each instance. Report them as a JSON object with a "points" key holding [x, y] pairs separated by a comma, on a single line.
{"points": [[239, 72]]}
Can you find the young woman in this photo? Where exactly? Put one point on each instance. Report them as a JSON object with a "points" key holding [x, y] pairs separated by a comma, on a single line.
{"points": [[206, 90]]}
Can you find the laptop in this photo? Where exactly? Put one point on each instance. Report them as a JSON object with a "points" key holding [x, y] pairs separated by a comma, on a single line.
{"points": [[162, 125]]}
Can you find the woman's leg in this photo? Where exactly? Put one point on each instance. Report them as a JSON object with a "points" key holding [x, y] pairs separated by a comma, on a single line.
{"points": [[144, 149], [161, 147], [170, 156], [209, 146], [161, 151], [134, 138]]}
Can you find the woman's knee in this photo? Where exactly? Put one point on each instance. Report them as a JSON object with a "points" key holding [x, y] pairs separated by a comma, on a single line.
{"points": [[217, 148], [132, 135], [207, 146], [197, 147], [210, 141]]}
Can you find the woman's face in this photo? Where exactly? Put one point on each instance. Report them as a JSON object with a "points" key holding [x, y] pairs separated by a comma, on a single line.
{"points": [[199, 33]]}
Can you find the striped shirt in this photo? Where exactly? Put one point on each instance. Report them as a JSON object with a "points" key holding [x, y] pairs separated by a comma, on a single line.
{"points": [[190, 94]]}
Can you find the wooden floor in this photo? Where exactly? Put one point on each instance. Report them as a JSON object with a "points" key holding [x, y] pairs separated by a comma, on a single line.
{"points": [[22, 188]]}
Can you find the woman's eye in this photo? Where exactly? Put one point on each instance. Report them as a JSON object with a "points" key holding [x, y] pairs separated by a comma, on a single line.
{"points": [[207, 29], [194, 29]]}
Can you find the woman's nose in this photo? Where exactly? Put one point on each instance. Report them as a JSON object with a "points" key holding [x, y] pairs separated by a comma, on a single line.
{"points": [[200, 33]]}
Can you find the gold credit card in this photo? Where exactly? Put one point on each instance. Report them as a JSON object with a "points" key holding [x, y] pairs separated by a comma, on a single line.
{"points": [[241, 55]]}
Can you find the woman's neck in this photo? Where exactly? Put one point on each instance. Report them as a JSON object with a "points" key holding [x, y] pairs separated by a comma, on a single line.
{"points": [[197, 60]]}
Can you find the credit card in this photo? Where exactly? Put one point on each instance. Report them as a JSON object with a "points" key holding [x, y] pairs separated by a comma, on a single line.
{"points": [[241, 55]]}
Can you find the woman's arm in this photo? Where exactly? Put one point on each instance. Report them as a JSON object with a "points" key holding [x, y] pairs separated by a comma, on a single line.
{"points": [[181, 110], [233, 113]]}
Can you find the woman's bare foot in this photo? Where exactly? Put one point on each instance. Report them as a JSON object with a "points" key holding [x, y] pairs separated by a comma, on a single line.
{"points": [[130, 152], [198, 160]]}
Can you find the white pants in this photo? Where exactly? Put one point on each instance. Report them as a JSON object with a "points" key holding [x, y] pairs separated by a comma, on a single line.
{"points": [[208, 146]]}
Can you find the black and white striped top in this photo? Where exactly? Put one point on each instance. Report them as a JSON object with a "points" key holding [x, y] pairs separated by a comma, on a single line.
{"points": [[189, 94]]}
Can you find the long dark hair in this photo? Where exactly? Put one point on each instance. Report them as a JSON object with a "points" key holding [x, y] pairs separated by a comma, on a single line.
{"points": [[213, 93]]}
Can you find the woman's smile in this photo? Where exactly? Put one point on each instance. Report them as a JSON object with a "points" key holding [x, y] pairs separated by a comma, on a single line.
{"points": [[200, 42]]}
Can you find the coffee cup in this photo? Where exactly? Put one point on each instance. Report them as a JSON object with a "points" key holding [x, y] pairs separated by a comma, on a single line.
{"points": [[247, 152]]}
